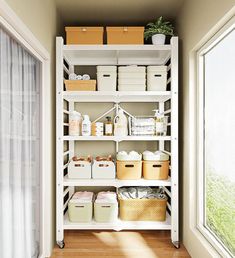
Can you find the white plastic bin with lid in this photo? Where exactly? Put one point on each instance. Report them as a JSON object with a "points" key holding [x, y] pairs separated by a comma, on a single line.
{"points": [[131, 87], [106, 207], [80, 207], [156, 78], [106, 78], [132, 69]]}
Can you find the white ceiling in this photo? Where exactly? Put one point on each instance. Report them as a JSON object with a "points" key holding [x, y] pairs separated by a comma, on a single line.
{"points": [[116, 12]]}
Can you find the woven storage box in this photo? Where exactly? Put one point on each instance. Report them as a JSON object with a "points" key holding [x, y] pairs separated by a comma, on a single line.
{"points": [[105, 212], [125, 35], [84, 35], [142, 209], [80, 85], [156, 170], [129, 169]]}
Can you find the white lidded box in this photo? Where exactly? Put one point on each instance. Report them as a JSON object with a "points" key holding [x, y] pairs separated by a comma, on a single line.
{"points": [[106, 78], [131, 87], [106, 207], [103, 168], [79, 168], [132, 69], [80, 207], [156, 78]]}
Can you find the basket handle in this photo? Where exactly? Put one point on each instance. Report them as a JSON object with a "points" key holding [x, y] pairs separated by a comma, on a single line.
{"points": [[125, 29], [106, 75], [79, 165], [129, 166], [157, 75], [79, 206], [104, 165], [105, 206], [157, 166], [84, 29]]}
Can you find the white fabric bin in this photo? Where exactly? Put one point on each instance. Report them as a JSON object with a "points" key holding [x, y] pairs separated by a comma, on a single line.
{"points": [[106, 78], [156, 78], [80, 169], [103, 169]]}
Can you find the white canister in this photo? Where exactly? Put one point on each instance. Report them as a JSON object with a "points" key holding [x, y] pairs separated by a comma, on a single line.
{"points": [[74, 123], [86, 126]]}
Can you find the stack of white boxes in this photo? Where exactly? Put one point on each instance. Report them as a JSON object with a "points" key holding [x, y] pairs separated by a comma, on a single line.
{"points": [[132, 78]]}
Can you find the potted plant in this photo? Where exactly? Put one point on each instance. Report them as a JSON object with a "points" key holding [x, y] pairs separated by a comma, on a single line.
{"points": [[158, 30]]}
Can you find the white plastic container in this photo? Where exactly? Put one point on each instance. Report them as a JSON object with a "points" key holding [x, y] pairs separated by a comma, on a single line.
{"points": [[120, 124], [80, 168], [80, 207], [131, 69], [103, 169], [141, 75], [106, 207], [131, 81], [156, 78], [106, 78], [132, 87], [86, 126], [75, 119]]}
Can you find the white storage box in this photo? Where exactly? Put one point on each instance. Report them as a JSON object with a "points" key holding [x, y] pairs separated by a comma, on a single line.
{"points": [[79, 168], [106, 207], [132, 75], [103, 168], [132, 87], [80, 207], [106, 78], [156, 78], [131, 69], [131, 81]]}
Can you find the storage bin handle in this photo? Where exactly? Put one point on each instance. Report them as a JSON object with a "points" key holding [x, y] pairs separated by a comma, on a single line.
{"points": [[157, 166], [79, 206], [104, 165], [129, 166], [125, 29], [80, 165], [106, 75], [105, 206], [157, 75], [84, 29]]}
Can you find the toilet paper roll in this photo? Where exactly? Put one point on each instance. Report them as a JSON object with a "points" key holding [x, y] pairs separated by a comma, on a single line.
{"points": [[79, 77], [86, 77], [72, 76]]}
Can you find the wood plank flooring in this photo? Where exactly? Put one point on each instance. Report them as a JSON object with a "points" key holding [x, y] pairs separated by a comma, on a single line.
{"points": [[126, 244]]}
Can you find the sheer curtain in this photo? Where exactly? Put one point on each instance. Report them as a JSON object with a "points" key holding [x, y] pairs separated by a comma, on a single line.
{"points": [[19, 150]]}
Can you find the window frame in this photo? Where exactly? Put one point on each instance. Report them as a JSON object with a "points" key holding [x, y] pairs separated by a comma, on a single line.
{"points": [[222, 32]]}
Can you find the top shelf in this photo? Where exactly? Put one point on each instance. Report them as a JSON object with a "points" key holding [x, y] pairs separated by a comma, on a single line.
{"points": [[117, 54]]}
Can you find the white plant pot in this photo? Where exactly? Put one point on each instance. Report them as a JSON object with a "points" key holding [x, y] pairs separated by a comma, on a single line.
{"points": [[158, 39]]}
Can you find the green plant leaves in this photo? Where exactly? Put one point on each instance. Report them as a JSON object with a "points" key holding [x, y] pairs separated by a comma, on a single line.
{"points": [[159, 27]]}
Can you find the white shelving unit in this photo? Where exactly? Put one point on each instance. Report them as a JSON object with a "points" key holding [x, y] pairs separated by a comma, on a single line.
{"points": [[74, 55]]}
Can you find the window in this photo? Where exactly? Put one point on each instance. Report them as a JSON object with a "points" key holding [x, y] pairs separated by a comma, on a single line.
{"points": [[216, 140]]}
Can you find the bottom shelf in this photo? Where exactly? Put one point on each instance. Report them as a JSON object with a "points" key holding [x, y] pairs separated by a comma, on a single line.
{"points": [[120, 225]]}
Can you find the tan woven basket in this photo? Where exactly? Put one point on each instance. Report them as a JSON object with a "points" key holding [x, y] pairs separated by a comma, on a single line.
{"points": [[142, 209], [156, 170]]}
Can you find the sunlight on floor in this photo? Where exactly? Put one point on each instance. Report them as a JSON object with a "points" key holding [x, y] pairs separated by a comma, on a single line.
{"points": [[132, 244]]}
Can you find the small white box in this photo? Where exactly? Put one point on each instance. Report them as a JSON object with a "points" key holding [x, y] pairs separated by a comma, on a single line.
{"points": [[106, 78], [103, 169], [131, 75], [80, 169], [105, 212], [131, 87], [156, 78]]}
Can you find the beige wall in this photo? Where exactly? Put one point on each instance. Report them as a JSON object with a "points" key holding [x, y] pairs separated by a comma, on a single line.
{"points": [[40, 16], [195, 20]]}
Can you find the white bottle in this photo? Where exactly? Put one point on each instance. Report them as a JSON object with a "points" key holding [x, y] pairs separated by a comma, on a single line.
{"points": [[86, 126], [74, 123], [120, 124], [160, 123]]}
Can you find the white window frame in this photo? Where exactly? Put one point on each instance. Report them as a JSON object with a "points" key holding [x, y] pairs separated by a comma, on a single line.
{"points": [[224, 30], [20, 32]]}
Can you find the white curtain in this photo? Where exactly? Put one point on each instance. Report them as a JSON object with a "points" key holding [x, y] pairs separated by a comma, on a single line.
{"points": [[19, 150]]}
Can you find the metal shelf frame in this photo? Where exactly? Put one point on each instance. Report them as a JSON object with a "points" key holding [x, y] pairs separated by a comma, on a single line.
{"points": [[68, 56]]}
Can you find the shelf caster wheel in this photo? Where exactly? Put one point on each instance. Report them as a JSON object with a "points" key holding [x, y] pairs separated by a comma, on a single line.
{"points": [[61, 244], [176, 244]]}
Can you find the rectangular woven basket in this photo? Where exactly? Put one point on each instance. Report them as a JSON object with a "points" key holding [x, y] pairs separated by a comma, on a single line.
{"points": [[143, 209]]}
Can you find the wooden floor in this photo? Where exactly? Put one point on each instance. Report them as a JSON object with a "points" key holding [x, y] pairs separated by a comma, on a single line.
{"points": [[126, 244]]}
